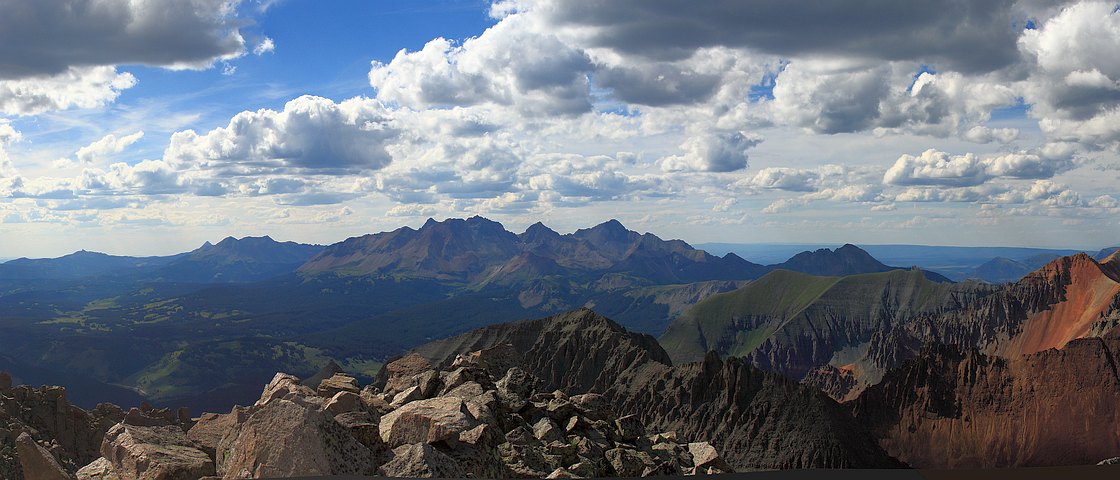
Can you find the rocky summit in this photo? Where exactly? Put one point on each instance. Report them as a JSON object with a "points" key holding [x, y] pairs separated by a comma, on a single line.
{"points": [[481, 416]]}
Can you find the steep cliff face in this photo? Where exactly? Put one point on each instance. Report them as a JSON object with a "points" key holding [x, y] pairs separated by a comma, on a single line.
{"points": [[804, 327], [73, 436], [760, 419], [1087, 291], [955, 408]]}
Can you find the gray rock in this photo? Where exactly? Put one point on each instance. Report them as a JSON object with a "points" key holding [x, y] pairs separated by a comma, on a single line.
{"points": [[286, 439], [628, 463], [630, 428], [281, 386], [100, 469], [546, 430], [207, 433], [343, 402], [593, 406], [421, 460], [410, 394], [154, 453], [426, 421], [585, 468], [401, 373], [524, 461], [705, 456], [1110, 461], [339, 382], [466, 390]]}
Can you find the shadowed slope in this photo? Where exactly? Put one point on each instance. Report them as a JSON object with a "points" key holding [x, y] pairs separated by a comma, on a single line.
{"points": [[760, 419]]}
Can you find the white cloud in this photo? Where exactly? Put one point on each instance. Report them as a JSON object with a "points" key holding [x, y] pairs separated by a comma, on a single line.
{"points": [[934, 167], [8, 134], [712, 152], [76, 87], [1074, 85], [513, 63], [791, 179], [107, 145], [311, 135], [266, 46]]}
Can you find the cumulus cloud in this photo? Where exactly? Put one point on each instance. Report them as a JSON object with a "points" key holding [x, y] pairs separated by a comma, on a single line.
{"points": [[311, 134], [1074, 85], [511, 64], [934, 167], [712, 152], [86, 33], [75, 87], [791, 179], [107, 145]]}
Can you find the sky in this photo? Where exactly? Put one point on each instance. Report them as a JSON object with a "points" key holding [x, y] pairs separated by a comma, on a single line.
{"points": [[148, 127]]}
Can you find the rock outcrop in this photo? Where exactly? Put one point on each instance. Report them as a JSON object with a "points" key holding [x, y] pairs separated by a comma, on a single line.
{"points": [[959, 408], [458, 421], [71, 435], [37, 462], [757, 419]]}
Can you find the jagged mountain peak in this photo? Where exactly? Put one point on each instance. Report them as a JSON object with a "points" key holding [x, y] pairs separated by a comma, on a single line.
{"points": [[477, 251], [538, 230]]}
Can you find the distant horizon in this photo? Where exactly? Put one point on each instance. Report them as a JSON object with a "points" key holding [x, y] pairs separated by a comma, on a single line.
{"points": [[4, 257]]}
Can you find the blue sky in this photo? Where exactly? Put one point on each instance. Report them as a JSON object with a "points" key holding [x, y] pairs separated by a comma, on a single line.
{"points": [[134, 132]]}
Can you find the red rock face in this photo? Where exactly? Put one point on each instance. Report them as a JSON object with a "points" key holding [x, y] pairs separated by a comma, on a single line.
{"points": [[1090, 289], [962, 409]]}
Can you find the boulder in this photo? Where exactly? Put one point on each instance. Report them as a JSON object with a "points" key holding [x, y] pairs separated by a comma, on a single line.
{"points": [[546, 430], [483, 437], [363, 427], [466, 391], [154, 453], [100, 469], [584, 468], [630, 428], [460, 376], [496, 360], [421, 460], [429, 383], [524, 461], [207, 433], [374, 400], [664, 467], [343, 402], [281, 386], [705, 456], [402, 372], [628, 463], [339, 382], [37, 462], [5, 381], [287, 438], [410, 394], [1110, 461], [593, 406], [516, 387], [148, 418], [426, 421]]}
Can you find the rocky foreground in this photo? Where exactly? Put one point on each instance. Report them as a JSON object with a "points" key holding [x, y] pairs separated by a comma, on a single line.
{"points": [[480, 417]]}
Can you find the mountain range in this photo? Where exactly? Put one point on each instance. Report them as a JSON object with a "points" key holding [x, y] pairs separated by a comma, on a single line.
{"points": [[831, 359]]}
